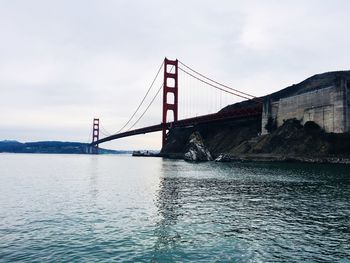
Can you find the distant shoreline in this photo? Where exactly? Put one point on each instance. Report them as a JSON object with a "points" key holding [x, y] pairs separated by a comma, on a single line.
{"points": [[51, 147]]}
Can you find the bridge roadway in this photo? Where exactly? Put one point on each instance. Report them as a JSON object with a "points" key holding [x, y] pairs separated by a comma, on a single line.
{"points": [[220, 116]]}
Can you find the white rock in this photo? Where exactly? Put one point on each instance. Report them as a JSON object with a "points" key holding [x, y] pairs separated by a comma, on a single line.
{"points": [[196, 150]]}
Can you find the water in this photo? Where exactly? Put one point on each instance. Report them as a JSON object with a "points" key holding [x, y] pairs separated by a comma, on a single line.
{"points": [[79, 208]]}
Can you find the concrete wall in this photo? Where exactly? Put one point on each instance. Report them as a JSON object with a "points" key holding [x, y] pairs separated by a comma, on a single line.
{"points": [[270, 110], [328, 107], [265, 115], [347, 95]]}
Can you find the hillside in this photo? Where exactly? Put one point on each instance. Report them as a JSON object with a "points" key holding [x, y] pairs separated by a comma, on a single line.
{"points": [[293, 141], [50, 147], [240, 138]]}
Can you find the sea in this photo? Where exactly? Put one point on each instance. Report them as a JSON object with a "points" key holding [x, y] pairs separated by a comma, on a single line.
{"points": [[119, 208]]}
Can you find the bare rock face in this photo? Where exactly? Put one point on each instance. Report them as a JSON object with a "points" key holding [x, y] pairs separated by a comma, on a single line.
{"points": [[196, 150]]}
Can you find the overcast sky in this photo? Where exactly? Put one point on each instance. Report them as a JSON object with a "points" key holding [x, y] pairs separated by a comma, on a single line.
{"points": [[64, 62]]}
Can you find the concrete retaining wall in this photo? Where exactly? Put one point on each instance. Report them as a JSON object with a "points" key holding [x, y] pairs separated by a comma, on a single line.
{"points": [[328, 107]]}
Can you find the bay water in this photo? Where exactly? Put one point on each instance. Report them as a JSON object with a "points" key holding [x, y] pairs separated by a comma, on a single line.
{"points": [[118, 208]]}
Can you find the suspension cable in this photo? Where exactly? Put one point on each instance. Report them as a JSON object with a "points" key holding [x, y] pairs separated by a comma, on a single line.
{"points": [[220, 84], [104, 134], [149, 105], [105, 131], [143, 99], [216, 87]]}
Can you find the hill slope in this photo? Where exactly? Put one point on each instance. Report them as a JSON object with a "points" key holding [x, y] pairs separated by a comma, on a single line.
{"points": [[240, 138], [50, 147]]}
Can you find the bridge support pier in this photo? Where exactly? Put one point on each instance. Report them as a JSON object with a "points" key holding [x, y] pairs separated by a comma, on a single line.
{"points": [[170, 93]]}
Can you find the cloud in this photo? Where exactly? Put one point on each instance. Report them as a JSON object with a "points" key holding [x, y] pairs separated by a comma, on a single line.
{"points": [[65, 62]]}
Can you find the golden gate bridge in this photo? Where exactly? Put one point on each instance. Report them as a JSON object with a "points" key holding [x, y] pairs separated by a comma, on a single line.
{"points": [[170, 104]]}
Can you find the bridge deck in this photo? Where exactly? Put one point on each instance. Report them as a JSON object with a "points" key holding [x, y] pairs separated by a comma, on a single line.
{"points": [[220, 116]]}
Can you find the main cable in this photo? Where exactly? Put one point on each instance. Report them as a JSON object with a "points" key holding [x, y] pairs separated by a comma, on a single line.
{"points": [[220, 84], [105, 131], [214, 86], [149, 105], [143, 99]]}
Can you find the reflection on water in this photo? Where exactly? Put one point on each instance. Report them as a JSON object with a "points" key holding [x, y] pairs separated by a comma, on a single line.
{"points": [[118, 208], [253, 212]]}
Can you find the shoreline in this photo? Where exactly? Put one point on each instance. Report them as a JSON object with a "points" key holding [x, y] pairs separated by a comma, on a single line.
{"points": [[269, 158], [286, 158]]}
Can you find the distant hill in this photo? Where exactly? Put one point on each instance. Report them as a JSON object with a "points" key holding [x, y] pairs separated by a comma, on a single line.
{"points": [[51, 147]]}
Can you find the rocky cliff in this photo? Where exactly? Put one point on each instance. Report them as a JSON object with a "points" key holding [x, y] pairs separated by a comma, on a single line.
{"points": [[291, 141], [217, 138]]}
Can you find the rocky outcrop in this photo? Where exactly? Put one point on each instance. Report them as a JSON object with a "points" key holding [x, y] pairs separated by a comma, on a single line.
{"points": [[217, 137], [196, 150]]}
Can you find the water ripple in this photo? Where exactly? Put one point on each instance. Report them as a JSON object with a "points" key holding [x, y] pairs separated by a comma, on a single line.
{"points": [[123, 209]]}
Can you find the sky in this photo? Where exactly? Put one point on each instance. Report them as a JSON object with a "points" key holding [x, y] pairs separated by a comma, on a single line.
{"points": [[64, 62]]}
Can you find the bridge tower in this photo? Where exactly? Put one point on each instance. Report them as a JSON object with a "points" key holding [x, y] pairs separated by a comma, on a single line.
{"points": [[170, 87], [95, 135]]}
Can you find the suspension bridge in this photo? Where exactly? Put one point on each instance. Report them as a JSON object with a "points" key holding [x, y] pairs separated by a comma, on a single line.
{"points": [[173, 72]]}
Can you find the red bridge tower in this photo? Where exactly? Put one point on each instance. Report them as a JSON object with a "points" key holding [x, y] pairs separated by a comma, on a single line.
{"points": [[170, 93], [95, 135]]}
